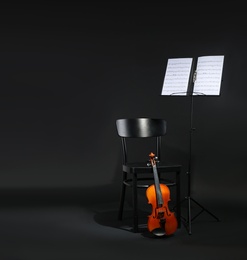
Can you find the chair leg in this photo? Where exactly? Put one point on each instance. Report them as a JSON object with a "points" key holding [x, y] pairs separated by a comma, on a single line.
{"points": [[122, 198], [135, 205]]}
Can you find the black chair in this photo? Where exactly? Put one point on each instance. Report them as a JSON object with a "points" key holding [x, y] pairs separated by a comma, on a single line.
{"points": [[139, 174]]}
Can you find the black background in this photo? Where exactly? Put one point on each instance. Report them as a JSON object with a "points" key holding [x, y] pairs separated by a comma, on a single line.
{"points": [[69, 70]]}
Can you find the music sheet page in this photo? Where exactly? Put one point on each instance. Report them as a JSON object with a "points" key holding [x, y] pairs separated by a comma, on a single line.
{"points": [[177, 76], [208, 75]]}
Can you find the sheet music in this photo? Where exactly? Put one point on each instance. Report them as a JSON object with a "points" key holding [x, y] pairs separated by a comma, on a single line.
{"points": [[208, 75], [177, 75]]}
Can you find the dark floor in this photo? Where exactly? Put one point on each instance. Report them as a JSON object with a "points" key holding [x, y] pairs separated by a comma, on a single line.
{"points": [[57, 231]]}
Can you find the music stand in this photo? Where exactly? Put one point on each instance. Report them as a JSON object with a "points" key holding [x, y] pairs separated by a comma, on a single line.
{"points": [[181, 73]]}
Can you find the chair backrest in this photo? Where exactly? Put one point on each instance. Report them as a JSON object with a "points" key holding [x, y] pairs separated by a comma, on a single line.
{"points": [[141, 128]]}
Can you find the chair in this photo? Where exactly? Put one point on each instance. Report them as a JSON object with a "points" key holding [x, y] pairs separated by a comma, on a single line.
{"points": [[138, 174]]}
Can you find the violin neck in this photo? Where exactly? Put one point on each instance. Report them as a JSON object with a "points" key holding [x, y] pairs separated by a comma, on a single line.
{"points": [[157, 187]]}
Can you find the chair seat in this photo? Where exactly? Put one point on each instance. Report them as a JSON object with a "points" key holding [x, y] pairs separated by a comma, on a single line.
{"points": [[141, 168]]}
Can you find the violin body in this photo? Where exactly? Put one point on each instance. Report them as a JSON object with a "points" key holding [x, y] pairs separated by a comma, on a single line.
{"points": [[161, 221]]}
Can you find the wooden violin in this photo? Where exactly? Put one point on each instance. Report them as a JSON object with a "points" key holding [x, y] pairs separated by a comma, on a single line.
{"points": [[161, 221]]}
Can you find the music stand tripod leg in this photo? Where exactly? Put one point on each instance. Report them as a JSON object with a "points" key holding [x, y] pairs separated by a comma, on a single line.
{"points": [[204, 209], [188, 222]]}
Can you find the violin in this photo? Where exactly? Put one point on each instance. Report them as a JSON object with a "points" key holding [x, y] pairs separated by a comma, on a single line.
{"points": [[161, 221]]}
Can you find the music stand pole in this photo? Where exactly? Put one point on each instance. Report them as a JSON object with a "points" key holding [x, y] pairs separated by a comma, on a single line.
{"points": [[188, 197]]}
